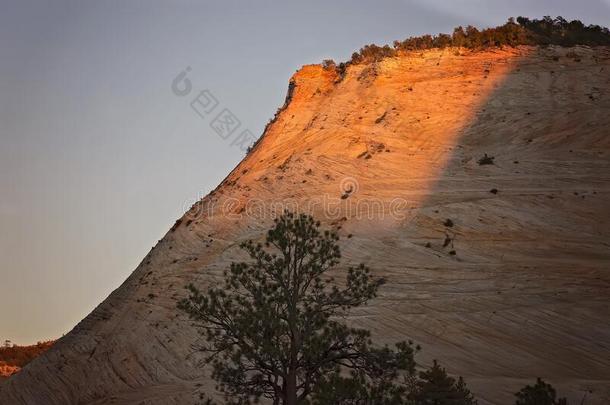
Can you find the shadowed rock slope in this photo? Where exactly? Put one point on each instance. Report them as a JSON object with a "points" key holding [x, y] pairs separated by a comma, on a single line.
{"points": [[516, 285]]}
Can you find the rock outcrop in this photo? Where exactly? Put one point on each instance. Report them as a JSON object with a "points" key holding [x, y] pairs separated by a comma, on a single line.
{"points": [[501, 271]]}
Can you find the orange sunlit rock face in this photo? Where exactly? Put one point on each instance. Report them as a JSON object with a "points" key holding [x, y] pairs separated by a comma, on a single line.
{"points": [[7, 370], [475, 183], [13, 357], [392, 127]]}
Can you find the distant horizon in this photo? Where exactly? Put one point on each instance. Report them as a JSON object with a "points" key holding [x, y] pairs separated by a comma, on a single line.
{"points": [[100, 154]]}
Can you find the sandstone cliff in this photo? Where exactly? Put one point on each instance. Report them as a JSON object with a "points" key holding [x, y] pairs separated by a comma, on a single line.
{"points": [[516, 285]]}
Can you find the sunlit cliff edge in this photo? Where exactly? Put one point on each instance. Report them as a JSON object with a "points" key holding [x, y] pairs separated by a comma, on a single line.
{"points": [[513, 287], [14, 357]]}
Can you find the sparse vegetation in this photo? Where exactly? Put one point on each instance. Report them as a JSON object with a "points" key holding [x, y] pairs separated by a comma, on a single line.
{"points": [[540, 393], [176, 225], [15, 357], [486, 160], [519, 31], [328, 64], [435, 387]]}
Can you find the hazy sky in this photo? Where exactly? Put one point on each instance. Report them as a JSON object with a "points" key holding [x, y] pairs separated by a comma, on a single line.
{"points": [[98, 157]]}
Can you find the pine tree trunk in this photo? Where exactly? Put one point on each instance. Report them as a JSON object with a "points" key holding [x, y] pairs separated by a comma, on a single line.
{"points": [[291, 389]]}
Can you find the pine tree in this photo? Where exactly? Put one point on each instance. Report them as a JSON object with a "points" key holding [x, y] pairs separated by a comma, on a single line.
{"points": [[435, 387], [272, 328], [539, 394]]}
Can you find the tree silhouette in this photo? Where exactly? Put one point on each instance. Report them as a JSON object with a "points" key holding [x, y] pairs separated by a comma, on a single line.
{"points": [[435, 387], [540, 393], [519, 31], [273, 329]]}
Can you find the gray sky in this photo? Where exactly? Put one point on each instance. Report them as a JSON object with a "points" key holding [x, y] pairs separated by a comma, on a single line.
{"points": [[98, 157]]}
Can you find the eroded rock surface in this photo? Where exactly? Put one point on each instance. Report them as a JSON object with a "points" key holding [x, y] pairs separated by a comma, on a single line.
{"points": [[515, 286]]}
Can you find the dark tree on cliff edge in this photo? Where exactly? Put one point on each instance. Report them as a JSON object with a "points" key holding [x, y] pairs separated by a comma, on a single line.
{"points": [[515, 32], [273, 329], [540, 393]]}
